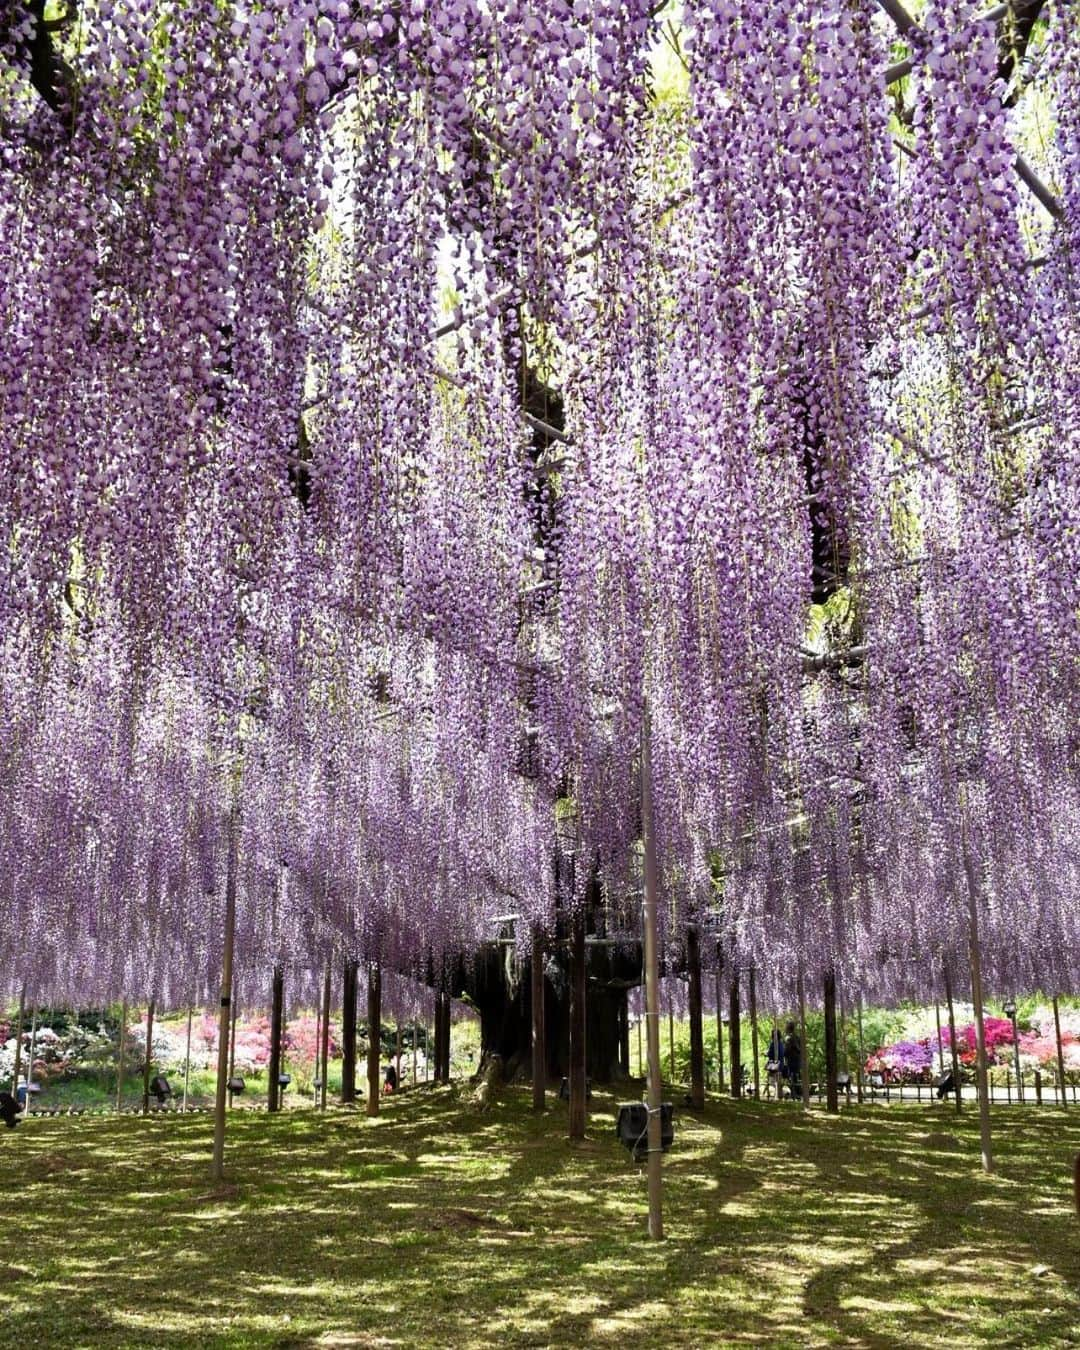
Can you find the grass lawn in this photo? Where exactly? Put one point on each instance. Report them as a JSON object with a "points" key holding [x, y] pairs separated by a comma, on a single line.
{"points": [[438, 1226]]}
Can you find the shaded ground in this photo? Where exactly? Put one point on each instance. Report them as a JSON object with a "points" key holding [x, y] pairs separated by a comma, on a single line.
{"points": [[435, 1226]]}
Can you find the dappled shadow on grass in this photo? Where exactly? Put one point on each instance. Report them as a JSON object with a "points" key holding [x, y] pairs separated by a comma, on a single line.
{"points": [[435, 1225]]}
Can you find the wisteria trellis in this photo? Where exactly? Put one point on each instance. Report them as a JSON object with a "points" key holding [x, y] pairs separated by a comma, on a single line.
{"points": [[270, 532]]}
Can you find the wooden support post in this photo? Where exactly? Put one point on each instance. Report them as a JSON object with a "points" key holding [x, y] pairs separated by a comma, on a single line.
{"points": [[324, 1077], [755, 1048], [217, 1163], [975, 957], [316, 1085], [119, 1062], [374, 1039], [671, 1034], [735, 1033], [954, 1053], [697, 1035], [845, 1044], [719, 1018], [397, 1055], [940, 1041], [578, 985], [1016, 1058], [148, 1059], [654, 1096], [804, 1049], [232, 1046], [415, 1033], [444, 1049], [539, 1040], [1060, 1051], [277, 1018], [860, 1067], [440, 1018], [17, 1067], [187, 1057], [832, 1099], [640, 1051], [349, 984]]}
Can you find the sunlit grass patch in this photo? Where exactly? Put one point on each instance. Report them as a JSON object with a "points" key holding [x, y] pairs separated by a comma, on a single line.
{"points": [[436, 1226]]}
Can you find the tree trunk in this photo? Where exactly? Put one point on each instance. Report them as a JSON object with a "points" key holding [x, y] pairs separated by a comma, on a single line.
{"points": [[503, 995], [276, 1020], [350, 981], [697, 1038], [577, 1026], [374, 1039], [734, 1032], [832, 1100], [539, 1054], [147, 1059]]}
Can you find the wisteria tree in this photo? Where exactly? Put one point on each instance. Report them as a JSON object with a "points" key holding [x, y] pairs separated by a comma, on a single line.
{"points": [[399, 399]]}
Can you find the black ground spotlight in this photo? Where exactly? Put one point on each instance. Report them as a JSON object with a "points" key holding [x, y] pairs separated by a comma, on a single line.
{"points": [[9, 1110], [160, 1088], [632, 1127]]}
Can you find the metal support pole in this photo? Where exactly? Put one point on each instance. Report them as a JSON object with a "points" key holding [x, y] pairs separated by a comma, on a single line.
{"points": [[719, 1019], [325, 1038], [652, 985], [539, 1042], [754, 1048], [804, 1053], [187, 1058], [954, 1055], [232, 1047], [17, 1067], [1016, 1057], [119, 1062], [374, 1035], [147, 1059], [977, 996], [697, 1037], [576, 1070], [217, 1164], [1060, 1052], [277, 1009]]}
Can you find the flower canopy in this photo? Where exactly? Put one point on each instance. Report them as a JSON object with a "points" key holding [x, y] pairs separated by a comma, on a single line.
{"points": [[396, 395]]}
